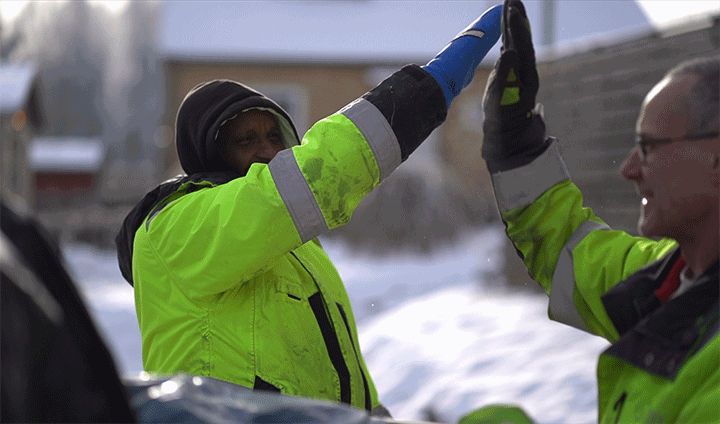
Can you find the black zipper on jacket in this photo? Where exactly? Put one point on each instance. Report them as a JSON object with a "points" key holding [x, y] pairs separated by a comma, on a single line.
{"points": [[368, 400], [317, 304]]}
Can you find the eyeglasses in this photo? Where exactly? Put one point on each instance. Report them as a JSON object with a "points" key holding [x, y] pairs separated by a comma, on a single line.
{"points": [[645, 146]]}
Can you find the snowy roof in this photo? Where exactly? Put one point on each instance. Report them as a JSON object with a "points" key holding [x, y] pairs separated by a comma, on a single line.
{"points": [[15, 82], [360, 30], [66, 154]]}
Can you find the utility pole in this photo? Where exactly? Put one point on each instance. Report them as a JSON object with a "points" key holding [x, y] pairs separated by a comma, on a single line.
{"points": [[548, 38]]}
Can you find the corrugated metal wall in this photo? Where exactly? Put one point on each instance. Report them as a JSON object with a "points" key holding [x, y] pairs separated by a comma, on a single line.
{"points": [[592, 100]]}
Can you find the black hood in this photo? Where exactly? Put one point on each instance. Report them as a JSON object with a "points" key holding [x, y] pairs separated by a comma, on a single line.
{"points": [[202, 112]]}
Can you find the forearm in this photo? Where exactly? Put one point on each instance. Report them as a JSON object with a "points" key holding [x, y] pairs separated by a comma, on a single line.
{"points": [[343, 157], [542, 209], [571, 252]]}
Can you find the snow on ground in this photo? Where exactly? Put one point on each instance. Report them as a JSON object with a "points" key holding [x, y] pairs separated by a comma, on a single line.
{"points": [[437, 331], [458, 349], [111, 301]]}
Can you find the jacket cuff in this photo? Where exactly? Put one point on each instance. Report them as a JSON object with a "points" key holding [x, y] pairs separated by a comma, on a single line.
{"points": [[523, 185], [413, 103]]}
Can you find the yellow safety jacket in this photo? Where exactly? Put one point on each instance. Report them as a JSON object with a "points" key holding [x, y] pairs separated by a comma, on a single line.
{"points": [[230, 281], [664, 362]]}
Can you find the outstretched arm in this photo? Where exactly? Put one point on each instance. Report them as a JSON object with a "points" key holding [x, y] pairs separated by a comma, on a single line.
{"points": [[571, 252], [308, 189]]}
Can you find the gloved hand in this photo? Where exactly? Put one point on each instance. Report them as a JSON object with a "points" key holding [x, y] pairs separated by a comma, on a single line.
{"points": [[454, 67], [514, 130]]}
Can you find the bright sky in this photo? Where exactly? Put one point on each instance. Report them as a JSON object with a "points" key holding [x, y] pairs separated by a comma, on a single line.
{"points": [[663, 12], [9, 9]]}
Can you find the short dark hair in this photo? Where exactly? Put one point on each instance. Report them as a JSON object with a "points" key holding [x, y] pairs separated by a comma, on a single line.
{"points": [[704, 99]]}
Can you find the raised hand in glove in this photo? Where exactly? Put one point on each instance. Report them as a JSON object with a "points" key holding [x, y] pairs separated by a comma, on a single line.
{"points": [[514, 131]]}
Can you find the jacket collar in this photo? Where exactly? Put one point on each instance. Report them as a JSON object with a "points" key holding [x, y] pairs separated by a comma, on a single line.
{"points": [[656, 337]]}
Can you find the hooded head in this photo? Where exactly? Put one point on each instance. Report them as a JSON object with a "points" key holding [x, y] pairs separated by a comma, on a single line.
{"points": [[205, 108]]}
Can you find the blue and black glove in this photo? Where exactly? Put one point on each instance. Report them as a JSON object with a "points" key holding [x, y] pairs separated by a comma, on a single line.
{"points": [[454, 67], [415, 99], [514, 130]]}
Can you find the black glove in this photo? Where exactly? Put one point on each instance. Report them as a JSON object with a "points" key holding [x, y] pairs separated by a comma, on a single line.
{"points": [[514, 131]]}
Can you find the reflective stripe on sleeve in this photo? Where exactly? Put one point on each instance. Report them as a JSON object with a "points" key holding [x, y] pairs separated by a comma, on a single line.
{"points": [[295, 192], [378, 133], [522, 186], [562, 305]]}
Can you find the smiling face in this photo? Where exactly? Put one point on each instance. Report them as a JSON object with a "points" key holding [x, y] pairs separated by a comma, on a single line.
{"points": [[677, 181], [252, 137]]}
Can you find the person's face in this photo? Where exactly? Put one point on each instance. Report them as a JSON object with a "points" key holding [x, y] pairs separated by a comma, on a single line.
{"points": [[252, 137], [677, 180]]}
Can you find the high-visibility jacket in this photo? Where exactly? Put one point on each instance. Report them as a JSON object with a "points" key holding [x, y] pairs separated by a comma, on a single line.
{"points": [[230, 281], [664, 361]]}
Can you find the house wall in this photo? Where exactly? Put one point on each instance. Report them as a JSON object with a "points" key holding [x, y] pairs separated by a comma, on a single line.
{"points": [[63, 189], [461, 143]]}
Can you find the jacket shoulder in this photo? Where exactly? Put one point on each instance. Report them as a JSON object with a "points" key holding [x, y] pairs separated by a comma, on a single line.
{"points": [[151, 202]]}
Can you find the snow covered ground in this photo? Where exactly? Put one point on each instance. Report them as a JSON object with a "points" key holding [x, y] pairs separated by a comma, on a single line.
{"points": [[438, 332]]}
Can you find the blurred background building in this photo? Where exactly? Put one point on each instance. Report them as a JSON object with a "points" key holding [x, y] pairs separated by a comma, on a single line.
{"points": [[90, 91], [18, 116], [87, 110]]}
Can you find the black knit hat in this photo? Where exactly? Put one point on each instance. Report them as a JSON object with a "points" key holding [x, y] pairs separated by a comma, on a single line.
{"points": [[209, 105]]}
